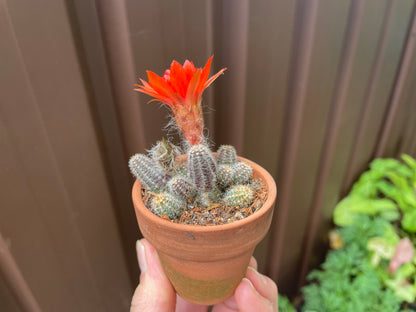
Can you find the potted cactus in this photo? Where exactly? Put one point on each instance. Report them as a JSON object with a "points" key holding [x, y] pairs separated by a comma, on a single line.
{"points": [[204, 212]]}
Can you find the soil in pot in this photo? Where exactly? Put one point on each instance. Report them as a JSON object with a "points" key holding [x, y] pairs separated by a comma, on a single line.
{"points": [[216, 213]]}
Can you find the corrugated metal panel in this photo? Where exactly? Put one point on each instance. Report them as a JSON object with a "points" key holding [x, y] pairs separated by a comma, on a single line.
{"points": [[55, 202], [314, 90]]}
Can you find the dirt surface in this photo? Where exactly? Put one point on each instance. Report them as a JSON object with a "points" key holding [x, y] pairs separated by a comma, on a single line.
{"points": [[216, 213]]}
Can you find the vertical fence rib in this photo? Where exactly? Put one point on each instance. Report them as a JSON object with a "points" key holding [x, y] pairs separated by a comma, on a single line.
{"points": [[299, 73], [15, 280], [369, 93], [398, 86], [334, 120], [209, 15], [114, 25], [235, 21], [408, 124]]}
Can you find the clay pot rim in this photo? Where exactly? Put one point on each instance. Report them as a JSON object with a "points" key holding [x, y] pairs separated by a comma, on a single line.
{"points": [[268, 204]]}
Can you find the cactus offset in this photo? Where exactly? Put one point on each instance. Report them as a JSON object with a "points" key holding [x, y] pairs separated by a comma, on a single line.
{"points": [[202, 167], [148, 172], [241, 173], [182, 187], [226, 154], [224, 175], [238, 196], [168, 204]]}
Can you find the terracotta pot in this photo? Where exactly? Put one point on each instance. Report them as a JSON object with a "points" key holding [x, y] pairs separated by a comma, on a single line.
{"points": [[206, 263]]}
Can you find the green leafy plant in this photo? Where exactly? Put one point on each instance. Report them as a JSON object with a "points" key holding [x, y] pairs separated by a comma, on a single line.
{"points": [[348, 282], [373, 265], [285, 305]]}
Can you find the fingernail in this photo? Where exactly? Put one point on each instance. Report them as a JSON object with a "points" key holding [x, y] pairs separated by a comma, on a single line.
{"points": [[141, 256], [251, 285], [258, 274]]}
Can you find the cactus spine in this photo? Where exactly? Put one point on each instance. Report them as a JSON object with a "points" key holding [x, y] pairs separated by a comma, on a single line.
{"points": [[202, 167], [226, 154], [148, 172], [238, 196], [168, 204]]}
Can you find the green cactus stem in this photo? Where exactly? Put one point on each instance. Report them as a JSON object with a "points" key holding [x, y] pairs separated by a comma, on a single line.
{"points": [[148, 172], [201, 167], [168, 204], [182, 187], [226, 154], [241, 173], [238, 196], [225, 175]]}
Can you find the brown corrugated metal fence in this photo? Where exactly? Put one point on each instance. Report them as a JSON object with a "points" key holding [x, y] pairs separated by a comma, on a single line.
{"points": [[314, 90]]}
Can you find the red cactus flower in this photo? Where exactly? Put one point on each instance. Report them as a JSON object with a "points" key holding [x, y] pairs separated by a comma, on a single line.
{"points": [[181, 89]]}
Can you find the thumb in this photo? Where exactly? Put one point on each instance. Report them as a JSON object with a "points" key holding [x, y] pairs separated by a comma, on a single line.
{"points": [[154, 293]]}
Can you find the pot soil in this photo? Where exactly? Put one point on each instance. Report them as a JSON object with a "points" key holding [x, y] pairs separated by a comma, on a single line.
{"points": [[206, 263]]}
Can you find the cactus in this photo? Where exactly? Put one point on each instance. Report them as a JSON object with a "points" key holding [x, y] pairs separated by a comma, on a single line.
{"points": [[241, 173], [148, 172], [164, 153], [168, 204], [181, 187], [202, 167], [226, 154], [238, 196], [224, 175]]}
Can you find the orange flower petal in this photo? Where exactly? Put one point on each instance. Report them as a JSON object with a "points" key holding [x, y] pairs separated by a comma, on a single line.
{"points": [[178, 79], [211, 80], [189, 70], [191, 92], [204, 76], [159, 84]]}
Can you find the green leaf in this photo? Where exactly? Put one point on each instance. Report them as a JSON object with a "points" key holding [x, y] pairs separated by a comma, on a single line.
{"points": [[399, 181], [343, 216], [285, 305], [405, 271], [409, 221], [411, 162], [381, 249], [409, 197], [373, 206], [390, 215]]}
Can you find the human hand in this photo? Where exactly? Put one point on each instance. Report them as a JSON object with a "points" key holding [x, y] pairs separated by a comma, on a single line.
{"points": [[255, 293]]}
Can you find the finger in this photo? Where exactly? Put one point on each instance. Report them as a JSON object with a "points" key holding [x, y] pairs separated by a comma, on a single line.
{"points": [[154, 293], [249, 299], [184, 306], [264, 285], [253, 263], [228, 305]]}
